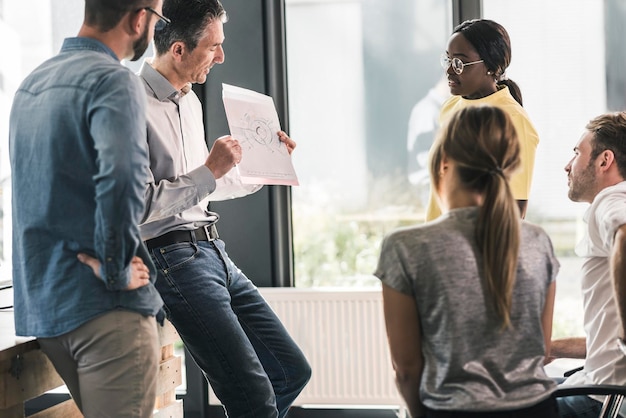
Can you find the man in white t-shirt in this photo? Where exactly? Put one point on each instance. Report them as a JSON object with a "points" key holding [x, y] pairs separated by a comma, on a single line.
{"points": [[596, 174]]}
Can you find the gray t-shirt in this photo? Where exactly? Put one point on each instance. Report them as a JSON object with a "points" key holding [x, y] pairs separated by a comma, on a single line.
{"points": [[470, 363]]}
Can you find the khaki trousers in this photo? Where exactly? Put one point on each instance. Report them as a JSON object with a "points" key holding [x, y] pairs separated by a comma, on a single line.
{"points": [[109, 364]]}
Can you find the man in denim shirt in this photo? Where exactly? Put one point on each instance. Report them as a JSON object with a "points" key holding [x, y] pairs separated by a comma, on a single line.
{"points": [[83, 280]]}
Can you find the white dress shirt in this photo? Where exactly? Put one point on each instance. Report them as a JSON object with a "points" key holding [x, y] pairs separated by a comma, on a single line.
{"points": [[180, 186], [605, 363]]}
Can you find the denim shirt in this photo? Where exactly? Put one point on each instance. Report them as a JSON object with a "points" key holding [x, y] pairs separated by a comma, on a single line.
{"points": [[79, 164]]}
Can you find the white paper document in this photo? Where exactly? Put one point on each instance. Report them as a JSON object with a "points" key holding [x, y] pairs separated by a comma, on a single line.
{"points": [[253, 121]]}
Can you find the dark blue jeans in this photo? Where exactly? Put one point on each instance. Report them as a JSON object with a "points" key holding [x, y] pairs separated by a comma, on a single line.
{"points": [[253, 365], [578, 407], [544, 409]]}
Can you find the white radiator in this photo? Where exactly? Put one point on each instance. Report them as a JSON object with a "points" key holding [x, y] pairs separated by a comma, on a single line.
{"points": [[342, 333]]}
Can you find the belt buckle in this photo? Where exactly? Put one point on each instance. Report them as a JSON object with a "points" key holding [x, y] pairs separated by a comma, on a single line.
{"points": [[211, 232]]}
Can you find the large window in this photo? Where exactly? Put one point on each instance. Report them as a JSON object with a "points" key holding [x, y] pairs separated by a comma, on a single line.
{"points": [[357, 71]]}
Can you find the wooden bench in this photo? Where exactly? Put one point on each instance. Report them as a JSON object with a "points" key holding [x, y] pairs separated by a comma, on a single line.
{"points": [[26, 373]]}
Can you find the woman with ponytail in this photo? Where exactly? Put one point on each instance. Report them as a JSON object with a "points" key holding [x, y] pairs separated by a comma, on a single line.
{"points": [[468, 298], [477, 56]]}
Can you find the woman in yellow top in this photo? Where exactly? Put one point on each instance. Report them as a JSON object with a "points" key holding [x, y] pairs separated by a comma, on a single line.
{"points": [[479, 52]]}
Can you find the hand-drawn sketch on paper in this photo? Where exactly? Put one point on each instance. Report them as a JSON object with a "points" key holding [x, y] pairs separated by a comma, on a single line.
{"points": [[259, 131], [253, 121]]}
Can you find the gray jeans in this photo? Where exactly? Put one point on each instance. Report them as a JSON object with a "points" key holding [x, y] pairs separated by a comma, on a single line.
{"points": [[109, 364]]}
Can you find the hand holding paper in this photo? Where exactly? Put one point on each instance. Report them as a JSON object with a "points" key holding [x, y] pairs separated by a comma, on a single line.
{"points": [[290, 143]]}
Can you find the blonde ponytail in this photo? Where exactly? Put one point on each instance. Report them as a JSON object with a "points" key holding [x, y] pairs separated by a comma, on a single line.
{"points": [[483, 143]]}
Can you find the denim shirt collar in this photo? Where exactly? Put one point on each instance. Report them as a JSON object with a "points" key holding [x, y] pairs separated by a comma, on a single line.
{"points": [[90, 44]]}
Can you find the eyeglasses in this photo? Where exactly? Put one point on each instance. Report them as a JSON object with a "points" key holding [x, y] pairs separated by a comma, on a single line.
{"points": [[457, 64], [162, 22]]}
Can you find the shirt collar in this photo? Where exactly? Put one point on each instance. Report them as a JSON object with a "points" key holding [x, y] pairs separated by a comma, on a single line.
{"points": [[83, 43], [162, 88], [619, 188]]}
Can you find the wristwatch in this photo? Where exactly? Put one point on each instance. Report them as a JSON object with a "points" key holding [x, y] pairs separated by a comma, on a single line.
{"points": [[621, 345]]}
